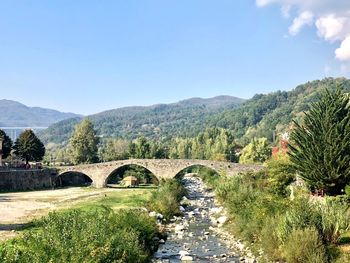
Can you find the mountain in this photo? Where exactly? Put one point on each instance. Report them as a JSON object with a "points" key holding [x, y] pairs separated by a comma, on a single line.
{"points": [[264, 115], [15, 114], [267, 114], [185, 118]]}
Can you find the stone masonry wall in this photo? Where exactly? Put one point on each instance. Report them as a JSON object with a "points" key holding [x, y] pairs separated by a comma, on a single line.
{"points": [[26, 179]]}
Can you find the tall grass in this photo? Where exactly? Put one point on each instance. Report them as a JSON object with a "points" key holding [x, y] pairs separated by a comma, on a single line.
{"points": [[272, 221], [166, 199], [77, 236]]}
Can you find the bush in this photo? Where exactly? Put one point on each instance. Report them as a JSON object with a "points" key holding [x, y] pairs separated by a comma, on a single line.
{"points": [[258, 151], [335, 220], [269, 239], [76, 236], [281, 174], [304, 246], [301, 214], [208, 176], [166, 200]]}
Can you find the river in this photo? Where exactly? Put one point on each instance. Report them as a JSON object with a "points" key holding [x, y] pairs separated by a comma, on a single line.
{"points": [[192, 238]]}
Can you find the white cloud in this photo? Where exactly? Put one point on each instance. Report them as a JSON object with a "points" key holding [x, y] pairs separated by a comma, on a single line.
{"points": [[331, 19], [263, 2], [343, 52], [285, 10], [304, 18], [331, 27]]}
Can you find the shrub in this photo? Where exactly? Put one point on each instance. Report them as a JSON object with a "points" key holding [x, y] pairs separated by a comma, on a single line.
{"points": [[269, 239], [76, 236], [280, 174], [304, 246], [166, 199], [208, 176], [335, 220], [258, 151]]}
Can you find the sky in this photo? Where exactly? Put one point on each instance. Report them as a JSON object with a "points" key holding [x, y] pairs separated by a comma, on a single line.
{"points": [[88, 56]]}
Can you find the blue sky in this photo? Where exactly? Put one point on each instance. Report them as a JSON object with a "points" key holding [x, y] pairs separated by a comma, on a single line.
{"points": [[90, 56]]}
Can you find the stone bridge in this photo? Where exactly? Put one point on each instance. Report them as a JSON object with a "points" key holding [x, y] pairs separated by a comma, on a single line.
{"points": [[161, 168]]}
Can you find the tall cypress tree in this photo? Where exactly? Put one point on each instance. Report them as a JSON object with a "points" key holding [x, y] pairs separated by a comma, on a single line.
{"points": [[320, 144]]}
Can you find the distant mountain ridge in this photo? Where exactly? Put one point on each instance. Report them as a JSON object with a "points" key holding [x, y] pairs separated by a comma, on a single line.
{"points": [[264, 115], [155, 121], [15, 114]]}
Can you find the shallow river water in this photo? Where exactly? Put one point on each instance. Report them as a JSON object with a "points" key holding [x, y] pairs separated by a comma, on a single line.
{"points": [[192, 238]]}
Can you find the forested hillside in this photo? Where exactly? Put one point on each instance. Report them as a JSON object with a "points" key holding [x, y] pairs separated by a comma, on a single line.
{"points": [[185, 118], [259, 116], [264, 114], [15, 114]]}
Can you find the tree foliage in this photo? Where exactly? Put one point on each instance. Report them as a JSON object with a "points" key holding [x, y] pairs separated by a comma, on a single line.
{"points": [[84, 143], [258, 151], [212, 144], [6, 144], [29, 147], [320, 143]]}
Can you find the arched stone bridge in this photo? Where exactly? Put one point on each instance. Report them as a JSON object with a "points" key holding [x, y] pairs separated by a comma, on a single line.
{"points": [[161, 168]]}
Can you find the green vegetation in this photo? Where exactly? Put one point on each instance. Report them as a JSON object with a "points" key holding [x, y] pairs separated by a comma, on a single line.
{"points": [[320, 144], [6, 144], [29, 147], [258, 151], [161, 121], [77, 236], [142, 174], [113, 149], [83, 143], [264, 115], [166, 199], [120, 199], [212, 144], [297, 230]]}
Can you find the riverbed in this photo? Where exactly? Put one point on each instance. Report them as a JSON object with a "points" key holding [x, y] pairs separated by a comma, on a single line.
{"points": [[193, 237]]}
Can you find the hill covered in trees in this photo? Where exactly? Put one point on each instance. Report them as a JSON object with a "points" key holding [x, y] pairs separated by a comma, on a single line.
{"points": [[261, 116], [161, 121], [266, 114], [15, 114]]}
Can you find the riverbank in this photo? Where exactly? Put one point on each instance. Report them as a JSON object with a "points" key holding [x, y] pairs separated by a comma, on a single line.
{"points": [[20, 208], [283, 228]]}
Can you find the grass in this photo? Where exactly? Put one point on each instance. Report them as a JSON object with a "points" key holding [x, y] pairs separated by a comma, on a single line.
{"points": [[119, 199], [83, 198]]}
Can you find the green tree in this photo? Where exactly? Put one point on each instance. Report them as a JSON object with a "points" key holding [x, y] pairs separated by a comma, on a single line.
{"points": [[6, 144], [83, 144], [114, 149], [29, 147], [258, 151], [320, 143], [142, 148]]}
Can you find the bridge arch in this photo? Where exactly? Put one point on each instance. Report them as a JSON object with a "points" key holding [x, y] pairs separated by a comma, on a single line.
{"points": [[73, 178], [122, 171], [203, 164], [195, 168]]}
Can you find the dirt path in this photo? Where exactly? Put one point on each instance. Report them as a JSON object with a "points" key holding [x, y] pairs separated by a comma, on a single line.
{"points": [[17, 209]]}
